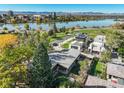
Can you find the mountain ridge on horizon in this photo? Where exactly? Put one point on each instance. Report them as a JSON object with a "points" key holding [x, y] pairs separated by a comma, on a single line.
{"points": [[62, 13]]}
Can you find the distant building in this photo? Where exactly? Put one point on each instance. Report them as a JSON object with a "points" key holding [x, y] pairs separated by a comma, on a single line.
{"points": [[115, 73], [10, 13]]}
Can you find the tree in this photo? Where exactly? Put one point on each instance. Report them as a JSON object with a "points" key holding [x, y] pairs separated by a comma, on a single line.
{"points": [[5, 28], [40, 72], [121, 51], [26, 26], [13, 68], [105, 56], [38, 20], [50, 33]]}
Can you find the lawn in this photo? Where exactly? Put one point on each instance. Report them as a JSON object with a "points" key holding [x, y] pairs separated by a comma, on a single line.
{"points": [[100, 67], [79, 66], [94, 32], [66, 45], [58, 36]]}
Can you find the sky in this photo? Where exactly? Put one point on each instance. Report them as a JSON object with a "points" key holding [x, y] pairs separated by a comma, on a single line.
{"points": [[105, 8]]}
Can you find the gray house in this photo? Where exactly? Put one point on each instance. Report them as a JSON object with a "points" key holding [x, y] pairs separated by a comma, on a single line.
{"points": [[115, 73], [63, 61], [95, 82]]}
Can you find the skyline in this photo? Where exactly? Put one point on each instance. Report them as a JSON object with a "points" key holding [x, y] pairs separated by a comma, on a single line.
{"points": [[104, 8]]}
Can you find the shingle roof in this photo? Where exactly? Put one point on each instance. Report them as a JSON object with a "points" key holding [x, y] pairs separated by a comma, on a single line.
{"points": [[65, 58], [93, 81], [115, 70]]}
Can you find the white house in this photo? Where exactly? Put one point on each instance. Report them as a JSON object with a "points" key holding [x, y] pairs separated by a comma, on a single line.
{"points": [[77, 45], [98, 46], [58, 43]]}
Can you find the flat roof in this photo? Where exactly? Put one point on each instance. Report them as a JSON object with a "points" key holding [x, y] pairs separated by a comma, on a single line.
{"points": [[64, 58], [97, 46], [76, 43], [115, 70], [63, 39], [81, 36], [93, 81], [99, 38]]}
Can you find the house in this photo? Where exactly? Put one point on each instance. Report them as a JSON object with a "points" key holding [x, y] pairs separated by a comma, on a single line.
{"points": [[81, 36], [115, 58], [77, 45], [98, 45], [100, 39], [95, 82], [63, 61], [37, 16], [58, 43], [115, 73]]}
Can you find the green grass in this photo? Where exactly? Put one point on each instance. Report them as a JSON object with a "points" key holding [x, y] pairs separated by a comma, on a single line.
{"points": [[58, 36], [66, 45], [100, 67], [79, 66], [83, 64], [94, 32]]}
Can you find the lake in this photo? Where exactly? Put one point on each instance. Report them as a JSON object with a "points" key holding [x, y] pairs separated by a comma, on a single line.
{"points": [[100, 23]]}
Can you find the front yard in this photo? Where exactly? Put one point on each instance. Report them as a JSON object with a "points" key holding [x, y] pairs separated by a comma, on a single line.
{"points": [[98, 69]]}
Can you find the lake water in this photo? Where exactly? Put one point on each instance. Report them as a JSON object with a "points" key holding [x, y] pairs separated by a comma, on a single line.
{"points": [[100, 23]]}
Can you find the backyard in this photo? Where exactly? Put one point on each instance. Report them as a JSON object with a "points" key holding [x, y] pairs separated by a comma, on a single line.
{"points": [[98, 69]]}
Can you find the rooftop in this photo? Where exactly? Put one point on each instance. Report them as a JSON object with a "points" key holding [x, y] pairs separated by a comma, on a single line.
{"points": [[77, 43], [100, 39], [81, 36], [64, 58], [63, 39], [115, 70], [93, 81], [96, 46]]}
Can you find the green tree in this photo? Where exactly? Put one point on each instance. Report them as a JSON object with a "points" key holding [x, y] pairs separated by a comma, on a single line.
{"points": [[12, 66], [121, 51], [105, 56], [40, 72], [26, 26]]}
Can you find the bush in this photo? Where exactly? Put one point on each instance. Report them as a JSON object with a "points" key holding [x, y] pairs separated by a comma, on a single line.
{"points": [[121, 51], [5, 28], [50, 33]]}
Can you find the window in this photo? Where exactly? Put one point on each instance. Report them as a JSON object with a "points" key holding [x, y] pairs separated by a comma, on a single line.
{"points": [[75, 47], [110, 76], [55, 44]]}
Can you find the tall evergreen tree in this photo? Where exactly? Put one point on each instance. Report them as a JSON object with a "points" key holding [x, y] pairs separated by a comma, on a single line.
{"points": [[40, 72]]}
